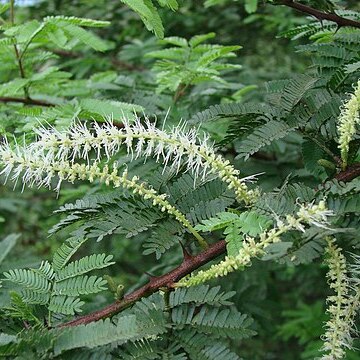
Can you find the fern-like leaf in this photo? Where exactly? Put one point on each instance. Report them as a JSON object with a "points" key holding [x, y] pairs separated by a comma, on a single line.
{"points": [[97, 333], [201, 295], [80, 285], [216, 321], [84, 265], [65, 305], [66, 251], [31, 279], [149, 15]]}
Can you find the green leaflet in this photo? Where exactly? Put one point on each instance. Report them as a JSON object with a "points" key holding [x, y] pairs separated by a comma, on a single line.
{"points": [[219, 222], [200, 294], [149, 15], [197, 345], [55, 27], [6, 245], [98, 333], [236, 226], [101, 109], [220, 322], [251, 5], [13, 87], [190, 62], [65, 252], [65, 305], [79, 285], [84, 265], [58, 285], [30, 279], [84, 36], [76, 21]]}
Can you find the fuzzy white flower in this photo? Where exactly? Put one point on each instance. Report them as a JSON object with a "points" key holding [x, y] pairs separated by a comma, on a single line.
{"points": [[348, 119], [175, 147], [343, 305], [38, 170]]}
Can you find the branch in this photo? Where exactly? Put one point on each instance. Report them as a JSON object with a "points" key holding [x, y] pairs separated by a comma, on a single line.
{"points": [[189, 264], [117, 63], [27, 101], [340, 21], [349, 174], [17, 54]]}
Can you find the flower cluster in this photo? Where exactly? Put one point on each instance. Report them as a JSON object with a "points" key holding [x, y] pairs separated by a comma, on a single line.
{"points": [[39, 168], [310, 214], [342, 306], [144, 140], [348, 119]]}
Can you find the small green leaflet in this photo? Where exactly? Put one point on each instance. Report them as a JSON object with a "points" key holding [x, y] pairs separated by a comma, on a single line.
{"points": [[99, 109], [248, 222], [7, 244], [251, 6], [149, 13], [222, 220]]}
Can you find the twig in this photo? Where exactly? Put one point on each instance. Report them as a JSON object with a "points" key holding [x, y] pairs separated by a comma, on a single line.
{"points": [[189, 264], [352, 172], [27, 101], [127, 66], [17, 53], [340, 21], [180, 91], [114, 61]]}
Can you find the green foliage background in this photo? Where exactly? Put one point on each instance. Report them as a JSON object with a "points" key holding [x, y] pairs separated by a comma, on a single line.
{"points": [[282, 129]]}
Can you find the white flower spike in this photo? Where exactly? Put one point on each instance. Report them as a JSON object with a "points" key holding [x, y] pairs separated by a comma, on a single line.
{"points": [[40, 170], [177, 146], [348, 119], [342, 305]]}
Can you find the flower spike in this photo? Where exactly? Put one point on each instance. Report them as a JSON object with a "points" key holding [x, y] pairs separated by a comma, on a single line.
{"points": [[36, 170], [144, 140], [348, 119]]}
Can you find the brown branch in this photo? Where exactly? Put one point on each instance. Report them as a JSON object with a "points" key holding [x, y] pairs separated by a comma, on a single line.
{"points": [[117, 63], [27, 101], [340, 21], [66, 53], [189, 264], [17, 53], [124, 65], [349, 174]]}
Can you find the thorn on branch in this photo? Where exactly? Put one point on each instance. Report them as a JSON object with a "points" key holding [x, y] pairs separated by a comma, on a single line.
{"points": [[151, 276], [27, 326], [186, 254]]}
